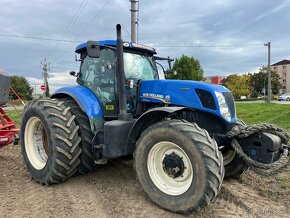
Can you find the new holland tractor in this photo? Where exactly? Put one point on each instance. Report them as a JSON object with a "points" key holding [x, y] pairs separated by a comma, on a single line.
{"points": [[184, 136]]}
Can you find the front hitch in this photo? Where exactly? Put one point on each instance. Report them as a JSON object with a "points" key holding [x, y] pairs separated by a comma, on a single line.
{"points": [[263, 147]]}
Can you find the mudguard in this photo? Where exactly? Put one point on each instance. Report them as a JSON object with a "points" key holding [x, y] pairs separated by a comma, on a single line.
{"points": [[147, 119]]}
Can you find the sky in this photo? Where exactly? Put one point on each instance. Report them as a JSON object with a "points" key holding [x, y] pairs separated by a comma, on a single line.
{"points": [[226, 36]]}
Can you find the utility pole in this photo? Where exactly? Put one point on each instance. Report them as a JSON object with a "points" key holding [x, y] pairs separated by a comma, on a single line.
{"points": [[45, 68], [134, 19], [34, 83], [269, 72]]}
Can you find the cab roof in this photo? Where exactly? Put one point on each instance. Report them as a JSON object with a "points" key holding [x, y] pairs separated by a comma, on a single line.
{"points": [[113, 43]]}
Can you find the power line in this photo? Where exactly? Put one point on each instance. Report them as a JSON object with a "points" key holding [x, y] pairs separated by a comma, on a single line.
{"points": [[85, 28], [205, 46], [126, 30], [157, 46], [69, 25], [74, 18], [37, 38], [97, 14]]}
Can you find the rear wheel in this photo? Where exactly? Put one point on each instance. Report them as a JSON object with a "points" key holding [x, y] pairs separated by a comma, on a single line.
{"points": [[179, 166], [87, 163], [49, 141]]}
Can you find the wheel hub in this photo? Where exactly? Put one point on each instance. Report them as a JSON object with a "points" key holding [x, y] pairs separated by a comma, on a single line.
{"points": [[170, 168], [173, 165]]}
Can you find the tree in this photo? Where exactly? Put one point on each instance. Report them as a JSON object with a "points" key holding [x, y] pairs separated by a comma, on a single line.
{"points": [[21, 85], [187, 68], [259, 81], [239, 85]]}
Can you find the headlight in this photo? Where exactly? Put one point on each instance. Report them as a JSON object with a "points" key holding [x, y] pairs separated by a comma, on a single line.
{"points": [[224, 109]]}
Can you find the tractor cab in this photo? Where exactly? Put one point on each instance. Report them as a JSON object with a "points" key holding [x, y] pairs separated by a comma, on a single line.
{"points": [[99, 73]]}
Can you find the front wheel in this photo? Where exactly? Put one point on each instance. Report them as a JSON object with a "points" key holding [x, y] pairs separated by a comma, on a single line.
{"points": [[179, 166]]}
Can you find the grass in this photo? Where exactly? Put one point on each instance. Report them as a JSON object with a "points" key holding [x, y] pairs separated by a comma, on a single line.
{"points": [[14, 116], [252, 113], [278, 114]]}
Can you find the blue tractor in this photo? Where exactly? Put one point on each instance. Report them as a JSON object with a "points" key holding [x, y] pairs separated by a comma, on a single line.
{"points": [[175, 130]]}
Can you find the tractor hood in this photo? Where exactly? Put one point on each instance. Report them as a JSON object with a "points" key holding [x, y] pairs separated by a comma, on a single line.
{"points": [[215, 99]]}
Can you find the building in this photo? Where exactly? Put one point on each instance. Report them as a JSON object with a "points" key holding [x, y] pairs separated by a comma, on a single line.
{"points": [[282, 68], [214, 79]]}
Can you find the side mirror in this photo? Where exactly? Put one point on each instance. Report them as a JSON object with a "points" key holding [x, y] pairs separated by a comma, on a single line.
{"points": [[73, 73], [93, 49]]}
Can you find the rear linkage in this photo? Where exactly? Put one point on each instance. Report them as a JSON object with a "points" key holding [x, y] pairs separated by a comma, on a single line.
{"points": [[240, 132]]}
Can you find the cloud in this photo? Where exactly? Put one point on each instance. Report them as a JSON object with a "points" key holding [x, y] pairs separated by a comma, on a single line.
{"points": [[56, 81], [171, 22]]}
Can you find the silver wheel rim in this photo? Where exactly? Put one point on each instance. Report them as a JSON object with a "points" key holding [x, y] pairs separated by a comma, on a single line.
{"points": [[165, 183], [229, 156], [36, 144]]}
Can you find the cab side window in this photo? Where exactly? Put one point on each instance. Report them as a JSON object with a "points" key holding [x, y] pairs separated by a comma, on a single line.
{"points": [[98, 74]]}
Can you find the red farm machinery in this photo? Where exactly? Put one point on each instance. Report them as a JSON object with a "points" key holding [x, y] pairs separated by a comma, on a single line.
{"points": [[8, 129]]}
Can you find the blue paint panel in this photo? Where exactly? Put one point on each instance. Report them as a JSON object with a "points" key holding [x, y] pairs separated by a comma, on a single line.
{"points": [[180, 92], [113, 43], [86, 99]]}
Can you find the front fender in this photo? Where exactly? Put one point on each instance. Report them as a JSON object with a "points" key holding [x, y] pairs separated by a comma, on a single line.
{"points": [[147, 119]]}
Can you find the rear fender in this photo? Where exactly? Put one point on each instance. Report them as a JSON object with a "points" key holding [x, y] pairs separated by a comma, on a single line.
{"points": [[87, 101]]}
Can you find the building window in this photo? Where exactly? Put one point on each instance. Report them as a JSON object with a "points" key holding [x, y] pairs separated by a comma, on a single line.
{"points": [[284, 67], [275, 68]]}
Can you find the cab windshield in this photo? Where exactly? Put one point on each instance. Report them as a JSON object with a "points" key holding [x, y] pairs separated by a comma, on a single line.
{"points": [[139, 66]]}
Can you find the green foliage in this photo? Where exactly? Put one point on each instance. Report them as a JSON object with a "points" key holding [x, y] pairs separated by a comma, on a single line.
{"points": [[187, 68], [260, 80], [21, 85], [239, 85], [252, 113]]}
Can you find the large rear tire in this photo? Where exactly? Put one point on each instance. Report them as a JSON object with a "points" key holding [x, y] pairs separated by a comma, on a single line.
{"points": [[87, 163], [49, 141], [179, 166]]}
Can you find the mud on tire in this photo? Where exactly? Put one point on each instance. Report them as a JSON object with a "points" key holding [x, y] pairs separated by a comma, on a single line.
{"points": [[172, 145], [87, 163], [49, 141]]}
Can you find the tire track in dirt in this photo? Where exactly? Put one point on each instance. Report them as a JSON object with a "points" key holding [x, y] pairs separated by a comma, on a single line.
{"points": [[113, 190]]}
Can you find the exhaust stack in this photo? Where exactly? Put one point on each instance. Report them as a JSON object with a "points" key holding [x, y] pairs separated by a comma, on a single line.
{"points": [[123, 115]]}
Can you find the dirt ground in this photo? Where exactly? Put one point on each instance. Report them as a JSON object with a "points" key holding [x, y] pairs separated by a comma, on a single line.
{"points": [[112, 191]]}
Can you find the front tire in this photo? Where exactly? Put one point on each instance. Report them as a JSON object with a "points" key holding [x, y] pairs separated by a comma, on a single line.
{"points": [[179, 166], [49, 141]]}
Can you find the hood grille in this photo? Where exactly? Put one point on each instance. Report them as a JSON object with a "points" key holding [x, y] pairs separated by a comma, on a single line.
{"points": [[206, 99]]}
